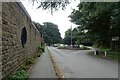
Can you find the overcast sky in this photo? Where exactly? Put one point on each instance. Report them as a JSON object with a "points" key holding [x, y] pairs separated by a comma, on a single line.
{"points": [[59, 17]]}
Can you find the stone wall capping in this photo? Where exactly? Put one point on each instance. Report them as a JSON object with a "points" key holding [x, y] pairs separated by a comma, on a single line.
{"points": [[24, 10]]}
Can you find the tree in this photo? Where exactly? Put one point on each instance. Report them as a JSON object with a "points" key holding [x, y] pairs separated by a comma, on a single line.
{"points": [[51, 4], [49, 32], [39, 28], [98, 19], [67, 38], [78, 37]]}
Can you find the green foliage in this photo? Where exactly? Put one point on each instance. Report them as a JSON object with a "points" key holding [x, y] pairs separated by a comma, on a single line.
{"points": [[23, 66], [78, 37], [49, 32], [67, 39], [51, 5], [110, 54], [100, 20], [84, 48], [68, 34], [41, 48], [29, 61], [19, 75]]}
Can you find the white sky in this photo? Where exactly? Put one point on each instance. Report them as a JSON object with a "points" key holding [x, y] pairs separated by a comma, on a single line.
{"points": [[59, 17]]}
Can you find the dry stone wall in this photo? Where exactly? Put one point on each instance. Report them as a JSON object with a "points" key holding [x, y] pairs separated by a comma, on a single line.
{"points": [[20, 39]]}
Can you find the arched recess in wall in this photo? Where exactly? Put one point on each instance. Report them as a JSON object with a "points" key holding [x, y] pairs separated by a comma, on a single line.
{"points": [[23, 37]]}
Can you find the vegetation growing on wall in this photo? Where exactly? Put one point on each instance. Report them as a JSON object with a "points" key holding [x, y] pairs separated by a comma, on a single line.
{"points": [[23, 70]]}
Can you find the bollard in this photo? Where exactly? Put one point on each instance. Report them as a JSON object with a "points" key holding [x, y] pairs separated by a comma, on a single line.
{"points": [[105, 54], [94, 52]]}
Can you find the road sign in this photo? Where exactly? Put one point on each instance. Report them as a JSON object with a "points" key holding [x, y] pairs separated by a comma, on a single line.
{"points": [[115, 38]]}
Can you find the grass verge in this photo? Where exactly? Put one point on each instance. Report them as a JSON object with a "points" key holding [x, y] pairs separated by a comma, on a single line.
{"points": [[113, 55]]}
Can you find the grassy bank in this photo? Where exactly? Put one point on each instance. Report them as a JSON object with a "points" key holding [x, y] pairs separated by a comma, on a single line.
{"points": [[110, 54]]}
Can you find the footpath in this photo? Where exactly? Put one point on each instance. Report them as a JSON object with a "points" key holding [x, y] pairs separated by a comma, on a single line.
{"points": [[43, 67]]}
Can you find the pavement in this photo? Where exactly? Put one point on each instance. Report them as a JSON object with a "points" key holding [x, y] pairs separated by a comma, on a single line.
{"points": [[43, 67], [78, 64]]}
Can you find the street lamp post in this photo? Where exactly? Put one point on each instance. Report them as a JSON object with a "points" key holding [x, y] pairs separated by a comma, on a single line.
{"points": [[71, 36]]}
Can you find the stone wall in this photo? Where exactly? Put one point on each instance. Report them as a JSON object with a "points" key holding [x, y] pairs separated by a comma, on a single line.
{"points": [[0, 39], [14, 19]]}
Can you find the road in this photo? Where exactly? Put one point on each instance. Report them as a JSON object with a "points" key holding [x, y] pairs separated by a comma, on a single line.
{"points": [[78, 64]]}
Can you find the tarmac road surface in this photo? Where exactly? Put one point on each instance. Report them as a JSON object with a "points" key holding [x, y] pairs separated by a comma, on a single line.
{"points": [[78, 64]]}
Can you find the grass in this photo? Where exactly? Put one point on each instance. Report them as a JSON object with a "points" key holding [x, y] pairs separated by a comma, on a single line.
{"points": [[113, 55]]}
